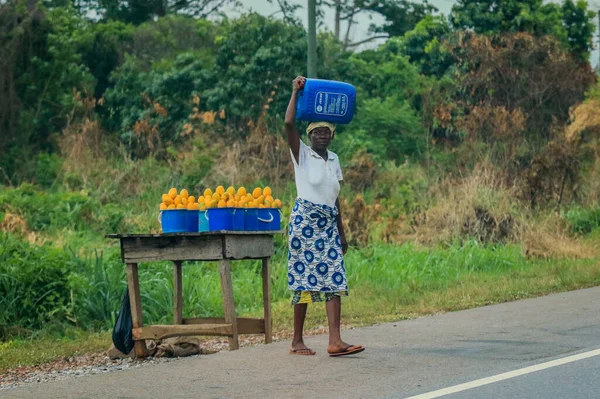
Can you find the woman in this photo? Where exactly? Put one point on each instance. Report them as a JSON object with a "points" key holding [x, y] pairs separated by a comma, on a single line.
{"points": [[317, 242]]}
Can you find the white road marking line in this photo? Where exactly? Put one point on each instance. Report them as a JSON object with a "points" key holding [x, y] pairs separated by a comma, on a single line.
{"points": [[506, 376]]}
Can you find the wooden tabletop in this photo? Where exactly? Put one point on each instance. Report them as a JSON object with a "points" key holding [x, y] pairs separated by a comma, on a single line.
{"points": [[206, 233]]}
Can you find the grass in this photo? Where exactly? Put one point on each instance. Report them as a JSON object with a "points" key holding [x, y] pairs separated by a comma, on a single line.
{"points": [[388, 283], [46, 347]]}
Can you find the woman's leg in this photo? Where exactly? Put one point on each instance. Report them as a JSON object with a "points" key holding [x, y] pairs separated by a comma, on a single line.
{"points": [[299, 317], [334, 315]]}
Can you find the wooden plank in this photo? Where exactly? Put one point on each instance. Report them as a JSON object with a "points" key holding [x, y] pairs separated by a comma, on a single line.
{"points": [[174, 248], [177, 294], [228, 302], [205, 233], [244, 325], [166, 331], [266, 286], [248, 247], [133, 285]]}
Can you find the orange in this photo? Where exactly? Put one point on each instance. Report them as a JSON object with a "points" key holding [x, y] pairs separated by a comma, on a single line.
{"points": [[172, 206], [269, 198], [260, 200], [241, 191], [231, 203], [163, 206], [277, 203], [267, 191], [165, 197], [222, 204], [184, 193], [220, 190], [168, 200], [177, 200], [180, 206], [257, 192], [208, 192], [184, 201], [173, 193], [231, 190], [191, 198]]}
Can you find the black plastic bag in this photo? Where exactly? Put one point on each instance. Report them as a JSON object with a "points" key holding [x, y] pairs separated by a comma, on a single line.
{"points": [[122, 335]]}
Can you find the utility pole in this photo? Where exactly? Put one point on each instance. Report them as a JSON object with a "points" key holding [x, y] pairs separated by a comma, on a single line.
{"points": [[311, 60]]}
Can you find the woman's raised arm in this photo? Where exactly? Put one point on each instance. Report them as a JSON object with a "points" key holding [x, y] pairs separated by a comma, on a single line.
{"points": [[290, 116]]}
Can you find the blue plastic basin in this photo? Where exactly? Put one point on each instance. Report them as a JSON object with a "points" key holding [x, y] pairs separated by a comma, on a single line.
{"points": [[174, 221]]}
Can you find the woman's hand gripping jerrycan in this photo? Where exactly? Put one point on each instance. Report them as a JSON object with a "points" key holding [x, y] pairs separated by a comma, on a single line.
{"points": [[326, 101]]}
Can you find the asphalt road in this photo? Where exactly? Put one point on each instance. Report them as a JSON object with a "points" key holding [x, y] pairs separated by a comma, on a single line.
{"points": [[418, 358]]}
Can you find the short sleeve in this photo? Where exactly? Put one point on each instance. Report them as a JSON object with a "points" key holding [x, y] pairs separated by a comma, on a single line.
{"points": [[302, 154]]}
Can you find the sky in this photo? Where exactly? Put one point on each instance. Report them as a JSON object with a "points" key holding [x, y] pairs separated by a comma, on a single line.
{"points": [[361, 30]]}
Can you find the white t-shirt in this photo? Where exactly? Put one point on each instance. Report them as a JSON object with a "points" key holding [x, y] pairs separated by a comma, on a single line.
{"points": [[317, 180]]}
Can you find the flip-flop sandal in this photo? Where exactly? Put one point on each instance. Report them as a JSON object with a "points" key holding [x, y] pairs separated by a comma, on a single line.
{"points": [[349, 350], [302, 352]]}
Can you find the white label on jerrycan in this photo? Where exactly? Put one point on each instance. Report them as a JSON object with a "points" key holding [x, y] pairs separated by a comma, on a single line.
{"points": [[335, 104]]}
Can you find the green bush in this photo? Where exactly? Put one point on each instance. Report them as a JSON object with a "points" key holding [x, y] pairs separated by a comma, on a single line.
{"points": [[584, 220], [388, 129], [44, 210], [34, 284], [47, 168]]}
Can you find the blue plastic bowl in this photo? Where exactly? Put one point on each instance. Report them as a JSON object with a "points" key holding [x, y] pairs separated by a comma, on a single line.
{"points": [[192, 221], [251, 219], [238, 220], [203, 225], [269, 219], [220, 219], [174, 221]]}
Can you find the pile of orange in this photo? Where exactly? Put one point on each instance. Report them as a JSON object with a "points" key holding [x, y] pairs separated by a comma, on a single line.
{"points": [[220, 198]]}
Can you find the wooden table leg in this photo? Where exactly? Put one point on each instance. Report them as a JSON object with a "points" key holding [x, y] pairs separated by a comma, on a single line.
{"points": [[177, 294], [266, 285], [133, 284], [228, 302]]}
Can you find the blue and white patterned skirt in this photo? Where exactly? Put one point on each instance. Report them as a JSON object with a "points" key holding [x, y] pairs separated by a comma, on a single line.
{"points": [[315, 258]]}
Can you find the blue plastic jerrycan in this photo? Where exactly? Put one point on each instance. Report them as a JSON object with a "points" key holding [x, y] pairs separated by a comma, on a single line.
{"points": [[326, 101]]}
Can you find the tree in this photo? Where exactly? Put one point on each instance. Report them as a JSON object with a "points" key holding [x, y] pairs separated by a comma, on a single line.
{"points": [[400, 17], [40, 69], [578, 21], [522, 73], [257, 57], [423, 45], [140, 11], [498, 16], [571, 23]]}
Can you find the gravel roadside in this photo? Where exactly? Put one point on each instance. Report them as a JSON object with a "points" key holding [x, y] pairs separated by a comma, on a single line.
{"points": [[100, 363]]}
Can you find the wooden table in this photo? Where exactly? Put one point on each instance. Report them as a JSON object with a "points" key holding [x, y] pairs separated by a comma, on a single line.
{"points": [[221, 246]]}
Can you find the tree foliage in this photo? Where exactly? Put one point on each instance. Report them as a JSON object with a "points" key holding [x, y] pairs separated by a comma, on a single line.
{"points": [[571, 24]]}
